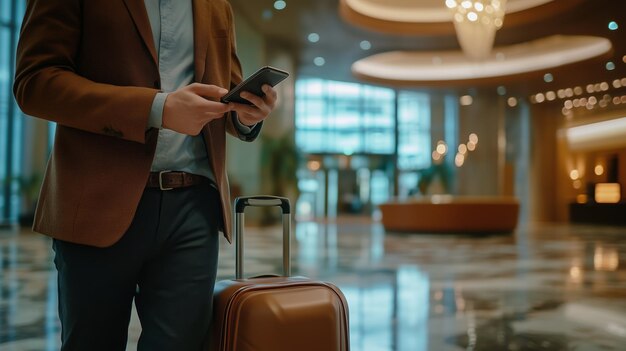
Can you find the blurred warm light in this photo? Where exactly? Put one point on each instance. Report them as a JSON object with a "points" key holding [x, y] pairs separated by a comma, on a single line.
{"points": [[575, 273], [590, 88], [624, 58], [577, 91], [561, 93], [466, 100], [471, 146], [501, 90], [442, 148], [605, 258], [462, 149], [473, 138], [610, 66], [314, 165], [459, 160], [476, 23], [577, 184], [574, 174], [599, 170], [604, 86], [617, 84], [436, 156], [581, 198], [512, 102], [540, 98], [607, 193], [613, 25], [551, 96], [568, 104]]}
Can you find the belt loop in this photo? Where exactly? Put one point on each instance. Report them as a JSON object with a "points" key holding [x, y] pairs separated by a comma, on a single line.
{"points": [[161, 180]]}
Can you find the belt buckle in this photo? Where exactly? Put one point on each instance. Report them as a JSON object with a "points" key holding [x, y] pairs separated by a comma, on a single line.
{"points": [[161, 180]]}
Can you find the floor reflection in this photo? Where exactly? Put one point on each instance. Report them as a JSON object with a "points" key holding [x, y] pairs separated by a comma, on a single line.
{"points": [[543, 288]]}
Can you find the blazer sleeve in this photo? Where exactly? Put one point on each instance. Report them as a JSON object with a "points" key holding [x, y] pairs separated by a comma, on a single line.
{"points": [[235, 78], [47, 84]]}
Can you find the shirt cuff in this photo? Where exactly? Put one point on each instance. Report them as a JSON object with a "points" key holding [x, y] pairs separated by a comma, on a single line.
{"points": [[156, 112], [243, 129]]}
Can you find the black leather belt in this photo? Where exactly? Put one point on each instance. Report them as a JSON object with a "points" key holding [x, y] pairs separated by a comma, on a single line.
{"points": [[168, 180]]}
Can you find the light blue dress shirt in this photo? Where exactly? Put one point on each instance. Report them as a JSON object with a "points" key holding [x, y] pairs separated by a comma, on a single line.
{"points": [[172, 29]]}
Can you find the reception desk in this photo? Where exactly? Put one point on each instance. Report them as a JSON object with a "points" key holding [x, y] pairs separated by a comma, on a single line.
{"points": [[448, 214]]}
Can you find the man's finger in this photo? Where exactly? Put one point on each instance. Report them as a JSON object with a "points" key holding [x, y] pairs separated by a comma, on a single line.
{"points": [[208, 91]]}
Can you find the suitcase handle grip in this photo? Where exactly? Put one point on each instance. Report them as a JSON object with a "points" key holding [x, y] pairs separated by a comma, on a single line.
{"points": [[262, 201]]}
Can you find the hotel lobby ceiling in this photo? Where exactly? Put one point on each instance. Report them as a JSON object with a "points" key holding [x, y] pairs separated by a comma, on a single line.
{"points": [[339, 41]]}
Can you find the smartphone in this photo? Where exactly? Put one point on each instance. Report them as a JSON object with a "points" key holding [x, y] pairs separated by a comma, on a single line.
{"points": [[265, 75]]}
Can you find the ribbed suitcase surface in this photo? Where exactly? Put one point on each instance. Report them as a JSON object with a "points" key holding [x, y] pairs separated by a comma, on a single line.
{"points": [[277, 313]]}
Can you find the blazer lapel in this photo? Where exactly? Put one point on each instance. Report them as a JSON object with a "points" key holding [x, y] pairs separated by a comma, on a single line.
{"points": [[139, 14], [201, 30]]}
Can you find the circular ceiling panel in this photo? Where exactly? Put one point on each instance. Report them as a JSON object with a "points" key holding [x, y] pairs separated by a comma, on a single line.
{"points": [[413, 67], [428, 17], [424, 11]]}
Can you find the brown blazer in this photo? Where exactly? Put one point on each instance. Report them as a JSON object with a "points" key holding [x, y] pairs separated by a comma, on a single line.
{"points": [[90, 66]]}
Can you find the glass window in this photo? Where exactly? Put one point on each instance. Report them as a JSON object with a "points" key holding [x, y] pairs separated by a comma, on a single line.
{"points": [[11, 12], [414, 131], [344, 118]]}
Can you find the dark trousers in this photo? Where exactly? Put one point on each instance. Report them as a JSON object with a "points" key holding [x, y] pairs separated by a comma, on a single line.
{"points": [[166, 262]]}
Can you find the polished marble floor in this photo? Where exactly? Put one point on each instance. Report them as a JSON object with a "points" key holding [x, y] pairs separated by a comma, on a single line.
{"points": [[545, 287]]}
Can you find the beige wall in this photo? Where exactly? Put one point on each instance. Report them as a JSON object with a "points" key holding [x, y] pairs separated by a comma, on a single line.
{"points": [[482, 174]]}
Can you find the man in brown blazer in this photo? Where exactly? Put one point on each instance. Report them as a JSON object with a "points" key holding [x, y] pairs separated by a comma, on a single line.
{"points": [[136, 189]]}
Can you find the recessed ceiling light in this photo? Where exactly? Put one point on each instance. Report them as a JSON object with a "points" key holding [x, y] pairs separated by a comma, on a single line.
{"points": [[610, 66], [280, 5], [548, 78], [319, 61], [365, 45], [613, 25], [314, 37]]}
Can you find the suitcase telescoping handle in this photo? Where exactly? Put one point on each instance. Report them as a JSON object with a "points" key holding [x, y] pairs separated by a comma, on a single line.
{"points": [[262, 201]]}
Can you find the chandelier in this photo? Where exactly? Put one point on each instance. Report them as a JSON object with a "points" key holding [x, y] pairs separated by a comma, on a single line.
{"points": [[476, 23]]}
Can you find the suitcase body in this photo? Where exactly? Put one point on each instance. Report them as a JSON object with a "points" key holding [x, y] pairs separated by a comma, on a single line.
{"points": [[277, 313]]}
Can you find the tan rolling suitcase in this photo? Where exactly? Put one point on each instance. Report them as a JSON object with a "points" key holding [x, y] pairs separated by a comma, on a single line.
{"points": [[276, 313]]}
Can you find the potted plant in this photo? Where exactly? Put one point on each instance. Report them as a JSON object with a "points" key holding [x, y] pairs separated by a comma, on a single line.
{"points": [[279, 165], [29, 186]]}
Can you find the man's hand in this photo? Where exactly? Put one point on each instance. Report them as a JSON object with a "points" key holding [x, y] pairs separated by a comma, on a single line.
{"points": [[190, 108], [261, 107]]}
